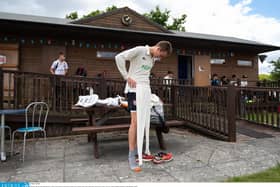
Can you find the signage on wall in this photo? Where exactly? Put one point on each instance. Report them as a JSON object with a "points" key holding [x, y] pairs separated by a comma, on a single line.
{"points": [[3, 59], [244, 63], [106, 54], [217, 61]]}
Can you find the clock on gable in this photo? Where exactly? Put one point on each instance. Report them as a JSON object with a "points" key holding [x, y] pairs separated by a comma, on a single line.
{"points": [[126, 20]]}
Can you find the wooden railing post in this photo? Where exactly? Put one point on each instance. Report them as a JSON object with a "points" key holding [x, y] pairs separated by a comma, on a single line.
{"points": [[54, 93], [231, 112], [173, 101], [1, 88], [16, 90], [103, 88]]}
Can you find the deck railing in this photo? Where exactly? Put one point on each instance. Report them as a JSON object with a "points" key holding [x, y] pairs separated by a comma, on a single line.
{"points": [[208, 109], [259, 105]]}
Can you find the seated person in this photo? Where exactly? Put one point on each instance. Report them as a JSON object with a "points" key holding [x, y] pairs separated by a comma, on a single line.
{"points": [[81, 71], [215, 80], [234, 80], [224, 81], [244, 81]]}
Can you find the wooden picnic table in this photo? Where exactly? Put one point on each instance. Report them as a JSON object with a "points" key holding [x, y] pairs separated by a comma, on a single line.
{"points": [[96, 126]]}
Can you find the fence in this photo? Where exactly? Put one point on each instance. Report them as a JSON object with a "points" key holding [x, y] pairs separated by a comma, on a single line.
{"points": [[21, 88], [262, 84], [208, 109], [259, 105]]}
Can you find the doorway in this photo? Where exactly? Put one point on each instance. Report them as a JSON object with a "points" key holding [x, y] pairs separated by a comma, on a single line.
{"points": [[185, 67]]}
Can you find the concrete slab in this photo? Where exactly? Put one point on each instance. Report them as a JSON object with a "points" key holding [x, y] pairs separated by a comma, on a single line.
{"points": [[196, 159]]}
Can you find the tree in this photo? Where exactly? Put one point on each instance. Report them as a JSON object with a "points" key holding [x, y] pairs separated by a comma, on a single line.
{"points": [[263, 77], [97, 12], [93, 13], [110, 8], [178, 23], [72, 15], [162, 18], [275, 73], [156, 15]]}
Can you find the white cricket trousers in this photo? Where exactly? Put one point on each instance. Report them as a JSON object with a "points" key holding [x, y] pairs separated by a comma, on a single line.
{"points": [[143, 109]]}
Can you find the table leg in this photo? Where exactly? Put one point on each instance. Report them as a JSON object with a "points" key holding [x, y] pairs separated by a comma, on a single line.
{"points": [[3, 153], [95, 145], [91, 122], [160, 138], [93, 136]]}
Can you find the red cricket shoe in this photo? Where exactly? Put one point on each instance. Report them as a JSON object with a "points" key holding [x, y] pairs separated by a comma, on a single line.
{"points": [[162, 157], [146, 158]]}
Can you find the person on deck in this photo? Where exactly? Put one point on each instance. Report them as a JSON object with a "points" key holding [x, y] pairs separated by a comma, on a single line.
{"points": [[59, 66]]}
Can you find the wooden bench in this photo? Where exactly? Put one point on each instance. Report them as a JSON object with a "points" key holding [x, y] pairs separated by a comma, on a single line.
{"points": [[93, 130]]}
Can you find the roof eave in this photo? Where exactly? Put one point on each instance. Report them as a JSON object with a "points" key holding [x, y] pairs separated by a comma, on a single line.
{"points": [[260, 48]]}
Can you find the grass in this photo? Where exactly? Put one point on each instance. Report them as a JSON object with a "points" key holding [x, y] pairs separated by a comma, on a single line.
{"points": [[269, 175]]}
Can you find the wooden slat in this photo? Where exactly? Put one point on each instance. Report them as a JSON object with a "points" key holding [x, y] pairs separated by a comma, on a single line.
{"points": [[106, 128], [73, 120], [173, 123]]}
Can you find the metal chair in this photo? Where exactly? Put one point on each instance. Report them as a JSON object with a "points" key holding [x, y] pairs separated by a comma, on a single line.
{"points": [[36, 115]]}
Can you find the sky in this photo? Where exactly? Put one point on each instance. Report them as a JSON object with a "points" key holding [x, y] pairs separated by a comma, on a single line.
{"points": [[257, 20]]}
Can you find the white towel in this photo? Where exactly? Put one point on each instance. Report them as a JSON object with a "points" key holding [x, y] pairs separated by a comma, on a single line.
{"points": [[87, 100], [143, 109], [109, 101]]}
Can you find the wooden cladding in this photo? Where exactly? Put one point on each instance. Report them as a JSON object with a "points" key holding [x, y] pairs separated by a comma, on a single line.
{"points": [[114, 20], [39, 59]]}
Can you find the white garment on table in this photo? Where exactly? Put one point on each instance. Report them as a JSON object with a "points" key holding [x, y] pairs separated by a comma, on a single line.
{"points": [[87, 100], [157, 110], [109, 101]]}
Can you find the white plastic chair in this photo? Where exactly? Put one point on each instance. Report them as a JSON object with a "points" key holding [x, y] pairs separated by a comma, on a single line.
{"points": [[36, 115]]}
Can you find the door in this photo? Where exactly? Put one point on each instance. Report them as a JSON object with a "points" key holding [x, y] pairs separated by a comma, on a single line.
{"points": [[185, 67], [10, 53]]}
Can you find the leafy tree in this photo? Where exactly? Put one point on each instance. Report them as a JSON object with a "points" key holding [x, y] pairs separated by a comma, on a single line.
{"points": [[97, 12], [162, 18], [72, 15], [275, 73], [93, 13], [110, 8], [157, 15], [263, 77], [178, 23]]}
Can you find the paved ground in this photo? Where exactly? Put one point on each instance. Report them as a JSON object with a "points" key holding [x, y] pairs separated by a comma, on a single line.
{"points": [[196, 159]]}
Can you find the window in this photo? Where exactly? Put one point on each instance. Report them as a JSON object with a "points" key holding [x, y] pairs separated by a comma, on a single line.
{"points": [[217, 61], [2, 59], [106, 54], [244, 63]]}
